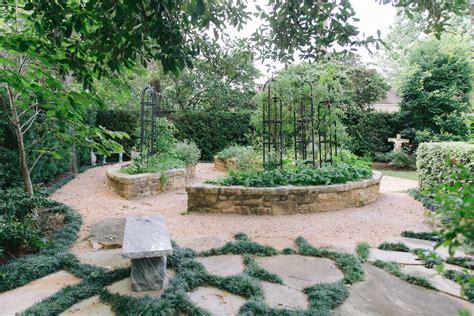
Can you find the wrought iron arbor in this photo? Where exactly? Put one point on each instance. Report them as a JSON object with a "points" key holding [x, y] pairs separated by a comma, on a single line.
{"points": [[150, 101], [310, 129]]}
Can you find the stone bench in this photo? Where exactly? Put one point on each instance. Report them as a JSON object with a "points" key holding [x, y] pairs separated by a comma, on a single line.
{"points": [[146, 242]]}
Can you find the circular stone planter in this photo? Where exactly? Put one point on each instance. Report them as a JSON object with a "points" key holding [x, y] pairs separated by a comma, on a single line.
{"points": [[132, 186], [284, 199]]}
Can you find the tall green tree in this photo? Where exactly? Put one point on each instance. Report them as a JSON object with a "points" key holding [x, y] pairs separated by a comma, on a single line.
{"points": [[436, 91]]}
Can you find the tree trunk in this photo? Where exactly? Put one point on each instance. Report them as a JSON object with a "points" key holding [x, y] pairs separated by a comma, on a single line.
{"points": [[73, 158], [25, 173]]}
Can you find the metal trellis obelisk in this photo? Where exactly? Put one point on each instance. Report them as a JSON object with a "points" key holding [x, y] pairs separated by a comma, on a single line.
{"points": [[150, 110]]}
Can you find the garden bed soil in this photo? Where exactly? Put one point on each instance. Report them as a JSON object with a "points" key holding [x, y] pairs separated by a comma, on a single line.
{"points": [[282, 200]]}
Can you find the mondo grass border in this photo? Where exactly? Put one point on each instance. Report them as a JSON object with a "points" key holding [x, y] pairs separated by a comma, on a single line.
{"points": [[20, 271], [190, 274]]}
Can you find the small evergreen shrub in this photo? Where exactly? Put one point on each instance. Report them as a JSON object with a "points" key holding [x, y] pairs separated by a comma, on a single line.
{"points": [[188, 152], [399, 246], [435, 161], [244, 157]]}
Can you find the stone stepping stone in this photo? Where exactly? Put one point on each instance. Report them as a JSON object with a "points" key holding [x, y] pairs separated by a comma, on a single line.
{"points": [[124, 287], [414, 243], [396, 256], [437, 280], [215, 301], [201, 243], [109, 259], [282, 296], [384, 294], [19, 299], [107, 234], [224, 265], [299, 272], [91, 307]]}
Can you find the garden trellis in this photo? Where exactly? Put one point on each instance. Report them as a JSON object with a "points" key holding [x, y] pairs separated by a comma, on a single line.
{"points": [[310, 132], [150, 110]]}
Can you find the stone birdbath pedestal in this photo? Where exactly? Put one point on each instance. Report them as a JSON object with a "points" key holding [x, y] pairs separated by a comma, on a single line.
{"points": [[146, 242], [398, 142]]}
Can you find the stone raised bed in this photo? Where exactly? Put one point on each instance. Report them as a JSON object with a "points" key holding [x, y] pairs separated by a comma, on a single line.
{"points": [[282, 200], [223, 164], [132, 186]]}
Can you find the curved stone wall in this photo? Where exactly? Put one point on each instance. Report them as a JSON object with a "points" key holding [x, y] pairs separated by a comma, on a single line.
{"points": [[282, 200], [132, 186]]}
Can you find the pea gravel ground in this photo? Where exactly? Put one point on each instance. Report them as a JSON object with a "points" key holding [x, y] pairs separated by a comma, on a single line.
{"points": [[392, 213]]}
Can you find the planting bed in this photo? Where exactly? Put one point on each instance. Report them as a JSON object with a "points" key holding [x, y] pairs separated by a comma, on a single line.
{"points": [[132, 186], [284, 199]]}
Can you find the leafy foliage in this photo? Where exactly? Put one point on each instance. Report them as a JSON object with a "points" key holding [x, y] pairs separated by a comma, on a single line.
{"points": [[244, 158], [242, 245], [436, 161], [362, 250], [299, 175], [20, 271], [365, 135], [466, 281], [394, 246], [154, 164], [435, 93], [188, 152], [455, 206], [213, 131], [433, 236]]}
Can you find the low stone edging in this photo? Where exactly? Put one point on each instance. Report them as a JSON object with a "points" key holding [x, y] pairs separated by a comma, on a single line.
{"points": [[282, 200], [132, 186], [222, 164]]}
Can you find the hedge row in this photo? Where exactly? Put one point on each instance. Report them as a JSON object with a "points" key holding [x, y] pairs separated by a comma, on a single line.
{"points": [[434, 161], [213, 131]]}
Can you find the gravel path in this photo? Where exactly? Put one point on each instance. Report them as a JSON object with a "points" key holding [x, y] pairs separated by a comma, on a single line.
{"points": [[394, 212]]}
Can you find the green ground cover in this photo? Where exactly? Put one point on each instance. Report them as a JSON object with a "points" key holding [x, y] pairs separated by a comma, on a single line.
{"points": [[409, 175]]}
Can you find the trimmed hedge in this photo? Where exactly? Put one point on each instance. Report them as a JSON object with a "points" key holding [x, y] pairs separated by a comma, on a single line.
{"points": [[434, 161], [213, 131]]}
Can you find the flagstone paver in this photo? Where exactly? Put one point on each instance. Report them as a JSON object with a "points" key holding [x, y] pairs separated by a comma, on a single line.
{"points": [[437, 280], [216, 301], [107, 234], [90, 307], [396, 256], [282, 296], [124, 287], [201, 243], [384, 294], [225, 265], [109, 259], [443, 252], [19, 299], [299, 272]]}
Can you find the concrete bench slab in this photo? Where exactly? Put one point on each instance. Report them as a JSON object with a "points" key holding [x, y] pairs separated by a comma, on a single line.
{"points": [[147, 243]]}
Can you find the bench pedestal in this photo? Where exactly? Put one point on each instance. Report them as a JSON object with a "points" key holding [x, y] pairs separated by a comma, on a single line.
{"points": [[148, 274], [147, 243]]}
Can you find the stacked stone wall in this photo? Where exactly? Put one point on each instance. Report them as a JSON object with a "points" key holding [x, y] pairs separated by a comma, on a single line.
{"points": [[282, 200], [138, 185]]}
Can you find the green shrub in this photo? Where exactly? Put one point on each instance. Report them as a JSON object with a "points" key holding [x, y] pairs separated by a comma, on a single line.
{"points": [[213, 131], [435, 161], [20, 228], [455, 206], [154, 164], [245, 157], [121, 120], [298, 175], [369, 131], [399, 246], [188, 152]]}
